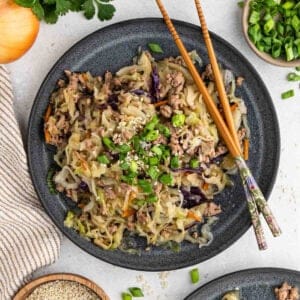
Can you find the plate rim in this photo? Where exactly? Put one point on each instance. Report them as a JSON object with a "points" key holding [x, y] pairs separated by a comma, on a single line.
{"points": [[241, 273], [176, 22]]}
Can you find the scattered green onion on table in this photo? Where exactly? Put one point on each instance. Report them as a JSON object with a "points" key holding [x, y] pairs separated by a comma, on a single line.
{"points": [[274, 27], [194, 273]]}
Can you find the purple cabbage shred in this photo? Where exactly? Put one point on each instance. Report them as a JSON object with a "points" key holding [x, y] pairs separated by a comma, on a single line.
{"points": [[193, 197]]}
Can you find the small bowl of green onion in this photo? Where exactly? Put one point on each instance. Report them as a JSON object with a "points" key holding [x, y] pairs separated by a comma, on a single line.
{"points": [[272, 29]]}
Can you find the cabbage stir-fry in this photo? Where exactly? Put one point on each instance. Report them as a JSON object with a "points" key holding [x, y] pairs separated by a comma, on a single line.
{"points": [[139, 153]]}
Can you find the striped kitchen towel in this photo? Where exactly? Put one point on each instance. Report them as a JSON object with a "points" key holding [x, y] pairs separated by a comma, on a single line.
{"points": [[28, 239]]}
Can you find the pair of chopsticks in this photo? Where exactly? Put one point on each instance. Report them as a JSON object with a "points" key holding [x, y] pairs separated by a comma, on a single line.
{"points": [[255, 198]]}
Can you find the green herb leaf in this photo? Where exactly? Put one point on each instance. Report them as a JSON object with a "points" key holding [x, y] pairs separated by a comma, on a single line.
{"points": [[105, 11], [88, 9], [38, 10], [25, 3], [155, 48]]}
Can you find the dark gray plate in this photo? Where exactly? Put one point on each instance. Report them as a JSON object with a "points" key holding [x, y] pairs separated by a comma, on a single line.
{"points": [[113, 47], [254, 284]]}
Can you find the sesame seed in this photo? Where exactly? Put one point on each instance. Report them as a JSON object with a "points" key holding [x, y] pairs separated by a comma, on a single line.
{"points": [[62, 290]]}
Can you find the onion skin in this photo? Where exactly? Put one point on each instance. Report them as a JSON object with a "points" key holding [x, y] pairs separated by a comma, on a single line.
{"points": [[18, 30]]}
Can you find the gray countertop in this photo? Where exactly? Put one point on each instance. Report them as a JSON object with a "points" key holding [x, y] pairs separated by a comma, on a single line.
{"points": [[223, 18]]}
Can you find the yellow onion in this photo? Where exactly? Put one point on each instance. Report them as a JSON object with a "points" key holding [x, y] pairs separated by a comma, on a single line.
{"points": [[18, 30]]}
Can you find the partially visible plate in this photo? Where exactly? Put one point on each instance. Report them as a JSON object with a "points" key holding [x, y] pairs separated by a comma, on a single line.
{"points": [[113, 47], [254, 284]]}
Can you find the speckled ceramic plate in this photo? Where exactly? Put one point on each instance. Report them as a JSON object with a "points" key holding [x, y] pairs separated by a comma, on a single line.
{"points": [[115, 46], [254, 284]]}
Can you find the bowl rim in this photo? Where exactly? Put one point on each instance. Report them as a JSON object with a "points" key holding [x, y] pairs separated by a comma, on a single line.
{"points": [[263, 55], [28, 288]]}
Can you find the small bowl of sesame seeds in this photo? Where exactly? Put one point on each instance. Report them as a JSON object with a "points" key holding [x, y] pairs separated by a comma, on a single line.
{"points": [[62, 286]]}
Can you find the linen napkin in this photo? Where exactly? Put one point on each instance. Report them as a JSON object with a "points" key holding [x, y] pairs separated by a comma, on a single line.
{"points": [[28, 238]]}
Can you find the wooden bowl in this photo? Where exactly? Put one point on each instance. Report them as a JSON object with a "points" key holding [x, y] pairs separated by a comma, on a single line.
{"points": [[268, 58], [26, 290]]}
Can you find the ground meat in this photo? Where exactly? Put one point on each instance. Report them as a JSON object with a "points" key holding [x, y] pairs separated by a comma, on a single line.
{"points": [[176, 102], [208, 73], [166, 111], [174, 144], [176, 80], [109, 193], [212, 209], [239, 80], [73, 80], [286, 292]]}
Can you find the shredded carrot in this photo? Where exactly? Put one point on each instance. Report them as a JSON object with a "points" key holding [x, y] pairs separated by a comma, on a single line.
{"points": [[47, 136], [205, 186], [48, 113], [81, 205], [193, 216], [246, 149], [233, 107], [128, 212], [160, 103]]}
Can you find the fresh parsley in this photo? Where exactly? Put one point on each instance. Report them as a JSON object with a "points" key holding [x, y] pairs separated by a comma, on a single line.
{"points": [[51, 10]]}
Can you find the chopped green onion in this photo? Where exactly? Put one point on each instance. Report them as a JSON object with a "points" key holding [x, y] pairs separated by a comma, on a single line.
{"points": [[152, 135], [153, 161], [136, 292], [194, 273], [126, 296], [174, 163], [288, 5], [102, 159], [276, 50], [297, 68], [288, 94], [151, 125], [293, 77], [155, 48], [157, 150], [289, 52], [123, 148], [152, 198], [164, 130], [124, 165], [254, 17], [153, 172], [145, 185], [178, 120], [166, 153], [166, 179], [108, 143], [50, 182], [129, 177], [194, 163], [136, 142], [133, 166], [269, 25]]}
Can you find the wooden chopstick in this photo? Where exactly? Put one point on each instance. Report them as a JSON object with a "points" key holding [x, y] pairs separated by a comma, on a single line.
{"points": [[253, 193], [217, 75], [212, 108]]}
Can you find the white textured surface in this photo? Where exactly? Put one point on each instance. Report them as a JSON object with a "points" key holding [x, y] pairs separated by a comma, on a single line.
{"points": [[223, 18]]}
